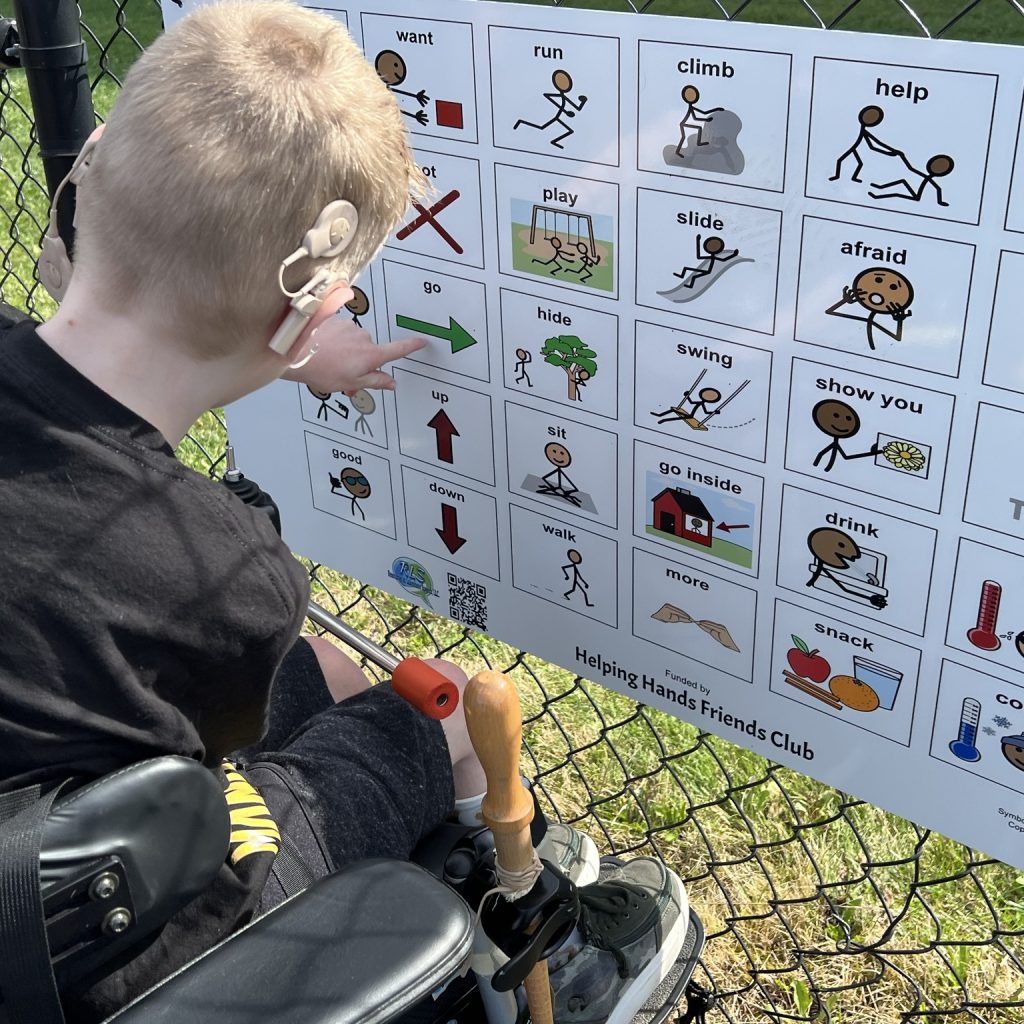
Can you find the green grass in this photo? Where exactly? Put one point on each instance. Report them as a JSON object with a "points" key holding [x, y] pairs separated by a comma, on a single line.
{"points": [[120, 29], [602, 276], [774, 860]]}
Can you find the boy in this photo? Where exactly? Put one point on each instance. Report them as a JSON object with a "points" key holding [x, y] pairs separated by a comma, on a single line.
{"points": [[147, 611]]}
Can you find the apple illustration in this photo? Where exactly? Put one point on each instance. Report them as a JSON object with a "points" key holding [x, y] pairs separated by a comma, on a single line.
{"points": [[807, 663]]}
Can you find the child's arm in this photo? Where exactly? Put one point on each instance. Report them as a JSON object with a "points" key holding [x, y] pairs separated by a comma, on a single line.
{"points": [[348, 359]]}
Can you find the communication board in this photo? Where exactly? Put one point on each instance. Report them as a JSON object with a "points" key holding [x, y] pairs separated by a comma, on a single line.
{"points": [[723, 405]]}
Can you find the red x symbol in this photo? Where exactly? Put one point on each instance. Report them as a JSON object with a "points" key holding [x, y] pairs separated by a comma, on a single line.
{"points": [[428, 217]]}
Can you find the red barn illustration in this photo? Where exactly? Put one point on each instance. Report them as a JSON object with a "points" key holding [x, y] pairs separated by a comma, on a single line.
{"points": [[682, 514]]}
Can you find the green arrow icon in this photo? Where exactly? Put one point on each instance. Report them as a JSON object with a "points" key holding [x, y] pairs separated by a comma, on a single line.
{"points": [[459, 337]]}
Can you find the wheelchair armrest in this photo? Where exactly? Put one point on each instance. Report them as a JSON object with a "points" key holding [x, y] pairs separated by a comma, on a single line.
{"points": [[360, 947], [164, 821]]}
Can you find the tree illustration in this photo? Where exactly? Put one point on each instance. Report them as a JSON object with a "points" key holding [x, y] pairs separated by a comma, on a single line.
{"points": [[569, 353]]}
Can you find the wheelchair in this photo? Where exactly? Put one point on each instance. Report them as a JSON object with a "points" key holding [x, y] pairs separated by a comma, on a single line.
{"points": [[92, 876], [90, 873]]}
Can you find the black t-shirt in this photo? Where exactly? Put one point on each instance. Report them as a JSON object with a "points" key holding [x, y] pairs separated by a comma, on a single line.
{"points": [[144, 609]]}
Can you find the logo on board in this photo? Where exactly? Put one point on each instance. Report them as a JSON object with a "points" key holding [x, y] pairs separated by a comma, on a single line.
{"points": [[413, 578]]}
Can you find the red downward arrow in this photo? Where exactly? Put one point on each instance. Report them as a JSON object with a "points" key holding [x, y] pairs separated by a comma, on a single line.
{"points": [[445, 430], [449, 531], [735, 526]]}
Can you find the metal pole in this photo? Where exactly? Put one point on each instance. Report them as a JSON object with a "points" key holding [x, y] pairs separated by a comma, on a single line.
{"points": [[363, 645], [422, 685], [54, 58]]}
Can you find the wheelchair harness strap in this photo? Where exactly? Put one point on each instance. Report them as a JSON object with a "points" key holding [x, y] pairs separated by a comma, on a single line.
{"points": [[28, 988], [302, 858]]}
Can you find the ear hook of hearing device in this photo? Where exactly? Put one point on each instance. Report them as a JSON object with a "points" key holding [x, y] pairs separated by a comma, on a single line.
{"points": [[332, 233], [54, 266]]}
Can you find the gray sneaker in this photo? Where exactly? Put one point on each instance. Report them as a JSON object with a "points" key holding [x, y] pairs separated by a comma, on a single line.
{"points": [[633, 926], [572, 852]]}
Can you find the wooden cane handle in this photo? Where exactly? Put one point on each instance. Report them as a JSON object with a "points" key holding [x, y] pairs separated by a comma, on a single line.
{"points": [[495, 725], [538, 995]]}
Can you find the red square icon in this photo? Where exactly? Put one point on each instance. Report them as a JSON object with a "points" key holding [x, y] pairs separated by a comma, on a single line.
{"points": [[448, 114]]}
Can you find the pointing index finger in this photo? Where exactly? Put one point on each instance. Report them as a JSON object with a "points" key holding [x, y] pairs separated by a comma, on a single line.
{"points": [[392, 350]]}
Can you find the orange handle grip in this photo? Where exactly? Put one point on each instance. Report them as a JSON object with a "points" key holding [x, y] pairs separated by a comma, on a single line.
{"points": [[425, 688]]}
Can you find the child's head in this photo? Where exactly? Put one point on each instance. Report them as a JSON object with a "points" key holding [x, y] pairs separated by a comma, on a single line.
{"points": [[232, 132]]}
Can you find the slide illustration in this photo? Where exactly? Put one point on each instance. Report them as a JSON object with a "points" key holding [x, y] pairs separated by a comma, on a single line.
{"points": [[713, 260]]}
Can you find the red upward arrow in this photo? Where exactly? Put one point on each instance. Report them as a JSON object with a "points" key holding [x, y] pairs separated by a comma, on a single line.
{"points": [[735, 526], [449, 531], [445, 430]]}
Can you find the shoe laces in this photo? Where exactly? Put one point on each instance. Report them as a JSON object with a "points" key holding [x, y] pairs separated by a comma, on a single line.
{"points": [[605, 906]]}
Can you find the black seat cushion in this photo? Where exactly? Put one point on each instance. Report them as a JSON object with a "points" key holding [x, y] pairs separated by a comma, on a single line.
{"points": [[359, 947]]}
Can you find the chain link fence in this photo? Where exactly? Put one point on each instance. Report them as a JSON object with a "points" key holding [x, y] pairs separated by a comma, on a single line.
{"points": [[818, 907]]}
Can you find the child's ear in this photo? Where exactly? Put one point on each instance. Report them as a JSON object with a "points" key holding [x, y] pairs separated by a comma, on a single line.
{"points": [[334, 298]]}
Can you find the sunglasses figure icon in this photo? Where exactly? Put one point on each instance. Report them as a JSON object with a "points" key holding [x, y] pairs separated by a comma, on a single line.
{"points": [[354, 484]]}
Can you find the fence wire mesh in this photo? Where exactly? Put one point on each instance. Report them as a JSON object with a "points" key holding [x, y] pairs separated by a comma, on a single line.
{"points": [[818, 906]]}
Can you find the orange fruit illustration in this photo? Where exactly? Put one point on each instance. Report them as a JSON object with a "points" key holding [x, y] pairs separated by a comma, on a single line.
{"points": [[853, 693]]}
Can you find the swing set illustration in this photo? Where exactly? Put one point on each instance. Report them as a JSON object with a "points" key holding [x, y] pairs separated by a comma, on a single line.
{"points": [[547, 218], [708, 397]]}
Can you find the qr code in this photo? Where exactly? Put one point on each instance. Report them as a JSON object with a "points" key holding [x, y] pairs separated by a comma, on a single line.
{"points": [[467, 601]]}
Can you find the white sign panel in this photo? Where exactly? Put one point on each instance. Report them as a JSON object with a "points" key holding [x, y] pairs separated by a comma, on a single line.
{"points": [[723, 405]]}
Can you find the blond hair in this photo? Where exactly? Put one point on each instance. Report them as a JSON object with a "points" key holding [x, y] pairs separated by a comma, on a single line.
{"points": [[232, 132]]}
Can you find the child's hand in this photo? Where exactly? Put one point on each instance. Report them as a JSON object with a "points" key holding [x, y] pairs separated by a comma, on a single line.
{"points": [[347, 358]]}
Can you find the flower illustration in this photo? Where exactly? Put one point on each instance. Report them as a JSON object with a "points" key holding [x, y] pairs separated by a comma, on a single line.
{"points": [[904, 455]]}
